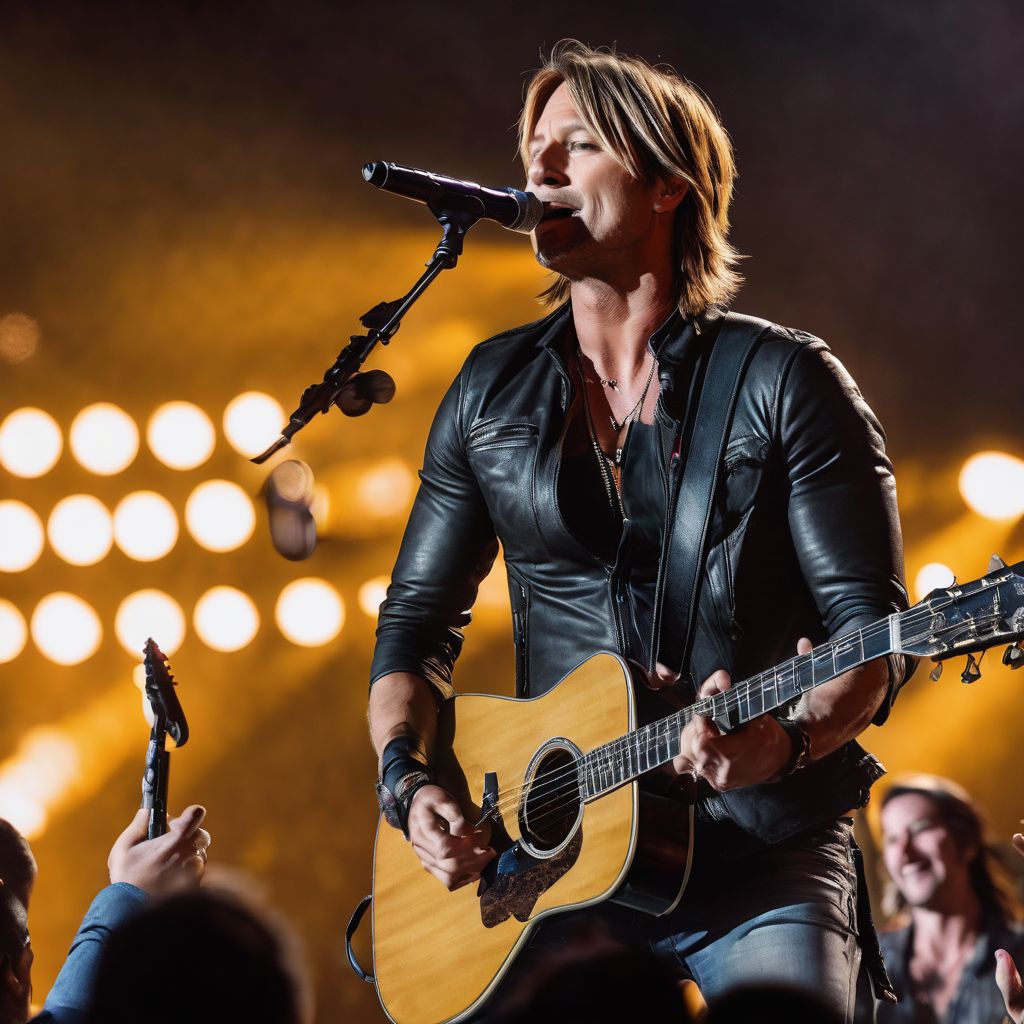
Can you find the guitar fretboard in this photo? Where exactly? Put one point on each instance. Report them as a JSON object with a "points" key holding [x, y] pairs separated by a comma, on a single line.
{"points": [[613, 764]]}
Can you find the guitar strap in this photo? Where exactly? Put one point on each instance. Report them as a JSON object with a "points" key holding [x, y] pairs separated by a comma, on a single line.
{"points": [[691, 500]]}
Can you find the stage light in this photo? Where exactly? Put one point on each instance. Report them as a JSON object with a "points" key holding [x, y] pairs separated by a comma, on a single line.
{"points": [[933, 576], [104, 439], [66, 629], [220, 515], [145, 526], [30, 443], [372, 593], [226, 619], [252, 422], [310, 612], [149, 613], [387, 489], [44, 768], [21, 536], [19, 337], [992, 484], [180, 435], [13, 632], [80, 529]]}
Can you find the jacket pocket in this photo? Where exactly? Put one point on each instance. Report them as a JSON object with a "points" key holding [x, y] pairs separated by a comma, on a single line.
{"points": [[497, 434], [519, 595]]}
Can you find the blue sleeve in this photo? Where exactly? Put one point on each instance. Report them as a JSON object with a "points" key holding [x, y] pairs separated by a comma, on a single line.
{"points": [[69, 997]]}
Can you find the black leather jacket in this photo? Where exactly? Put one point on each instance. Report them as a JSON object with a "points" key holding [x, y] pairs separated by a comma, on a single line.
{"points": [[805, 539]]}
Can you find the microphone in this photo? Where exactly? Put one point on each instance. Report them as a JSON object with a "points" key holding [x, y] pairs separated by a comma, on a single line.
{"points": [[518, 211]]}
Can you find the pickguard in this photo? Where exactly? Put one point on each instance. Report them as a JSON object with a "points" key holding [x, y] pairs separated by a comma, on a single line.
{"points": [[519, 879]]}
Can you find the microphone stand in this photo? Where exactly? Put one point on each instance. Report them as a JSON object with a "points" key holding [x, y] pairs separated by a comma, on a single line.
{"points": [[382, 321]]}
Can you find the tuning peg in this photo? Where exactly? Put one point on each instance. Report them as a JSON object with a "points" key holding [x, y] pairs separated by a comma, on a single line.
{"points": [[995, 562], [1013, 656], [935, 672], [972, 670]]}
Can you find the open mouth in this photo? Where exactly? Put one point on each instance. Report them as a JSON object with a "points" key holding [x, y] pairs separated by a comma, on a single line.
{"points": [[554, 211]]}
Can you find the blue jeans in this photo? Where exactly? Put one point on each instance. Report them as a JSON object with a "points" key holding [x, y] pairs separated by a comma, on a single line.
{"points": [[784, 915]]}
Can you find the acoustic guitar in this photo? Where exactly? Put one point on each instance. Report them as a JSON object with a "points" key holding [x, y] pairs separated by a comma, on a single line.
{"points": [[557, 777]]}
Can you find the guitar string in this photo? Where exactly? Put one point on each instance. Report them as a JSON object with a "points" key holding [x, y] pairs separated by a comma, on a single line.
{"points": [[557, 795], [543, 784], [552, 785]]}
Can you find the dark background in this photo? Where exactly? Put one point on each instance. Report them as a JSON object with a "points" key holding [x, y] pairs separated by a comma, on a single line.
{"points": [[182, 213]]}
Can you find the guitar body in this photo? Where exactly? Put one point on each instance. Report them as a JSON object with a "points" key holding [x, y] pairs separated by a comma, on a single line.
{"points": [[437, 954]]}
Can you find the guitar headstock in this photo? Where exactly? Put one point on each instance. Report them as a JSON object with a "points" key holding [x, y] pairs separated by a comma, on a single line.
{"points": [[160, 693], [966, 618]]}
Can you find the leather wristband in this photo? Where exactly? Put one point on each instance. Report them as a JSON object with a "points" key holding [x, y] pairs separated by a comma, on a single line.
{"points": [[403, 770], [801, 741]]}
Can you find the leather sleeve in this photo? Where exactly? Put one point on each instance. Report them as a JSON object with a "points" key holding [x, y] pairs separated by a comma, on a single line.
{"points": [[842, 500], [448, 548]]}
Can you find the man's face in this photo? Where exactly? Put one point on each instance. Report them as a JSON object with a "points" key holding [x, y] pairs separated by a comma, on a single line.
{"points": [[927, 863], [599, 216]]}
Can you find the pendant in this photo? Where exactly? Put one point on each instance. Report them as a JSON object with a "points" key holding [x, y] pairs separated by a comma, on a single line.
{"points": [[613, 384], [616, 425]]}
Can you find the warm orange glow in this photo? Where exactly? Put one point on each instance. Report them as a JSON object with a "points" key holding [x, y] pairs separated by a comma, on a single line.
{"points": [[13, 632], [145, 526], [252, 422], [220, 515], [226, 619], [371, 594], [30, 443], [66, 629], [992, 484], [104, 439], [310, 612], [149, 613], [180, 435], [933, 576], [19, 337], [21, 536], [386, 490], [80, 529]]}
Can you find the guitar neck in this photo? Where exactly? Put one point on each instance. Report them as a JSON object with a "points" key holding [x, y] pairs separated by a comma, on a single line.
{"points": [[613, 764]]}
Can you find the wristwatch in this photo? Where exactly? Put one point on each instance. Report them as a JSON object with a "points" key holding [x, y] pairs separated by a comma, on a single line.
{"points": [[801, 741]]}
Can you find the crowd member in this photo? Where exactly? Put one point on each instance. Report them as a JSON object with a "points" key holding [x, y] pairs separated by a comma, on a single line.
{"points": [[140, 869], [565, 440], [203, 953], [1008, 979], [17, 862], [957, 909], [15, 960]]}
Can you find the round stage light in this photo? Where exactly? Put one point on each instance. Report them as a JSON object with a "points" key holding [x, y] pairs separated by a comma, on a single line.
{"points": [[30, 443], [252, 422], [220, 515], [21, 536], [145, 526], [19, 337], [372, 593], [66, 629], [104, 439], [149, 613], [310, 612], [226, 619], [992, 484], [387, 489], [13, 632], [80, 529], [933, 576], [180, 435]]}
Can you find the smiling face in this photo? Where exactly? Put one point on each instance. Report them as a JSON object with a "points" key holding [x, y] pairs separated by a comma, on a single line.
{"points": [[601, 221], [928, 863]]}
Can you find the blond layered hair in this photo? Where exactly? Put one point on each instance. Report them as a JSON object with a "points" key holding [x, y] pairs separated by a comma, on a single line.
{"points": [[657, 125]]}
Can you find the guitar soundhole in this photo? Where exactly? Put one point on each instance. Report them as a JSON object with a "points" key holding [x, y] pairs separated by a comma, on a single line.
{"points": [[552, 805]]}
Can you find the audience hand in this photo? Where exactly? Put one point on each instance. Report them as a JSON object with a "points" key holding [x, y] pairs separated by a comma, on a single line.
{"points": [[1007, 975], [173, 861]]}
